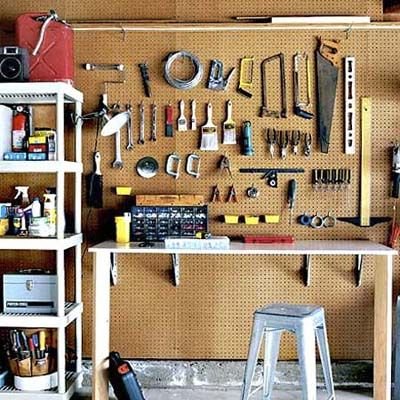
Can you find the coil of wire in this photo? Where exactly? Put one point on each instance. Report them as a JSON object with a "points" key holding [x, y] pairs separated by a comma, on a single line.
{"points": [[176, 82]]}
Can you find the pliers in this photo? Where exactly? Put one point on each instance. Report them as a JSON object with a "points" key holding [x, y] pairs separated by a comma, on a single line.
{"points": [[271, 138]]}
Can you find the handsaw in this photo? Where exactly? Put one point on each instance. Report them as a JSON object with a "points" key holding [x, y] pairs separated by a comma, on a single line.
{"points": [[328, 60]]}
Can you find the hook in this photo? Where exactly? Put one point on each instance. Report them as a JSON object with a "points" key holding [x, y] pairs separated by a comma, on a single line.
{"points": [[348, 31], [123, 31]]}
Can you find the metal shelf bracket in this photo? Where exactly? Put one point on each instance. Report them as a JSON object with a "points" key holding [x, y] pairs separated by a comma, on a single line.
{"points": [[176, 269], [358, 269], [306, 270], [113, 269]]}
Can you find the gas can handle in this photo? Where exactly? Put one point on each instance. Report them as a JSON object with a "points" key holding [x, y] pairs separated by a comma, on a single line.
{"points": [[50, 17]]}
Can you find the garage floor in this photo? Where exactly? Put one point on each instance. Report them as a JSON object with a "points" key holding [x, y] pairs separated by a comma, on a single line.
{"points": [[202, 394], [187, 394]]}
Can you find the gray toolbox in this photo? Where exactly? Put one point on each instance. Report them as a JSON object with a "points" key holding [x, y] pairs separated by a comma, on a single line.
{"points": [[30, 291]]}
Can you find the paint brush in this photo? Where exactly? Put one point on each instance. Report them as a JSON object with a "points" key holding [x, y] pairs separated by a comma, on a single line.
{"points": [[229, 126], [95, 195], [209, 135]]}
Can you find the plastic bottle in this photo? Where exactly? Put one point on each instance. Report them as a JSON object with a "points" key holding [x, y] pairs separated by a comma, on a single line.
{"points": [[36, 208], [22, 196], [49, 211]]}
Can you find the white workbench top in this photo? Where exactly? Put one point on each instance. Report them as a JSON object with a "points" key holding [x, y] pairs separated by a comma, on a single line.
{"points": [[303, 247]]}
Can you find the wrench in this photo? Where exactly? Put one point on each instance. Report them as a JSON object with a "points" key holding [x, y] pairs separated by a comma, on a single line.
{"points": [[141, 127], [153, 136], [129, 146], [118, 164]]}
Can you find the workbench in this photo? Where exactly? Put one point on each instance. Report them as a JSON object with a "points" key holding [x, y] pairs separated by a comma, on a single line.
{"points": [[106, 251]]}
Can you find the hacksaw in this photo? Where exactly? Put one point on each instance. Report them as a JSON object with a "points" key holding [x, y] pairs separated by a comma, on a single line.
{"points": [[327, 59]]}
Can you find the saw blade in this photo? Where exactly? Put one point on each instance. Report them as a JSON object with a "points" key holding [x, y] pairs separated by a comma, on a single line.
{"points": [[327, 77]]}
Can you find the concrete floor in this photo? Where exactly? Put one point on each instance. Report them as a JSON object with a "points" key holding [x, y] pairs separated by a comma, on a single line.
{"points": [[188, 394], [203, 394]]}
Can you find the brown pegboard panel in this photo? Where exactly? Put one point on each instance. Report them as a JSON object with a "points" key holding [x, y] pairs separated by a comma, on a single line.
{"points": [[208, 10], [184, 10], [209, 315]]}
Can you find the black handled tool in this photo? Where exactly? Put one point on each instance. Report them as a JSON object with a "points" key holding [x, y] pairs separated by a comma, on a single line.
{"points": [[144, 70], [291, 198]]}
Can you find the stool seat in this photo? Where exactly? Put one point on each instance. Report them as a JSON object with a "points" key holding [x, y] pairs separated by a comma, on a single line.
{"points": [[289, 310], [307, 322]]}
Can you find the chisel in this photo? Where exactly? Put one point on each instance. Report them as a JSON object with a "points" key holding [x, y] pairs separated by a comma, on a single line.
{"points": [[169, 120]]}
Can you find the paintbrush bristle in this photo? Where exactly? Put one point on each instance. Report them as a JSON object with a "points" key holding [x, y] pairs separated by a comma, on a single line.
{"points": [[95, 191]]}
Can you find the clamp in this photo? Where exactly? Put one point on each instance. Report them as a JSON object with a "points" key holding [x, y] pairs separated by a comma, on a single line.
{"points": [[225, 164], [232, 197], [216, 196]]}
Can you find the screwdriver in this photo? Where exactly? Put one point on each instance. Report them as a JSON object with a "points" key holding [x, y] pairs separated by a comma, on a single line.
{"points": [[291, 197], [42, 343]]}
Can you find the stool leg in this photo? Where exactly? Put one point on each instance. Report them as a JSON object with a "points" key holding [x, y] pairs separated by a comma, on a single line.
{"points": [[252, 357], [306, 353], [322, 340], [271, 352]]}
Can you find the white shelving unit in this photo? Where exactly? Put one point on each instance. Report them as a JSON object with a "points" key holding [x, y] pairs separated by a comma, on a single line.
{"points": [[57, 94]]}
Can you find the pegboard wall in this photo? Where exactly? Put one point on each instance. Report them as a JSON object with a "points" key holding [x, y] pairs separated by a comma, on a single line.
{"points": [[189, 10], [209, 315]]}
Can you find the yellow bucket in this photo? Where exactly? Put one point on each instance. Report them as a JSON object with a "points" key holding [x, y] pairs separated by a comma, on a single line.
{"points": [[272, 219], [122, 229], [251, 219], [231, 219]]}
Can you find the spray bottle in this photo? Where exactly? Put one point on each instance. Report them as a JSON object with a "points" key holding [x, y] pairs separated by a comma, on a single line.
{"points": [[49, 211], [22, 196]]}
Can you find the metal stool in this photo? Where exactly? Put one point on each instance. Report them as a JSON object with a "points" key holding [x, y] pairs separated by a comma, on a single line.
{"points": [[306, 322]]}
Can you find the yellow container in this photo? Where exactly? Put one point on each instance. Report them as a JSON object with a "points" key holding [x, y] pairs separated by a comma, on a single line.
{"points": [[122, 229], [231, 219], [3, 226], [251, 219], [272, 219], [123, 190]]}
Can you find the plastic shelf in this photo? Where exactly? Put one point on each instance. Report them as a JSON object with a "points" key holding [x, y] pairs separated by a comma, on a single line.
{"points": [[19, 320], [8, 392]]}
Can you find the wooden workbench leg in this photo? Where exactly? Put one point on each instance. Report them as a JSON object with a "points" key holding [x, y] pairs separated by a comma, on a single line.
{"points": [[101, 325], [383, 327]]}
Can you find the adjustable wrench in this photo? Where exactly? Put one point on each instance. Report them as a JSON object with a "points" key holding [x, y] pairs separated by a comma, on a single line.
{"points": [[141, 127], [118, 164], [129, 146]]}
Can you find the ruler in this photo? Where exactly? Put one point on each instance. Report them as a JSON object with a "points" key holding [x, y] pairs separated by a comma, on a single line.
{"points": [[366, 159], [349, 105]]}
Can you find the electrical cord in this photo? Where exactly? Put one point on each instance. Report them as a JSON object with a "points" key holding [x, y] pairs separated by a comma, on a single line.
{"points": [[182, 83]]}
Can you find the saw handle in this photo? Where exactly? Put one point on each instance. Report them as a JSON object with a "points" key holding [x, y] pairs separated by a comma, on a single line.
{"points": [[329, 49]]}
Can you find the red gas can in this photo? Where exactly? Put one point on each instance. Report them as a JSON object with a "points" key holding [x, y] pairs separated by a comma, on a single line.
{"points": [[49, 41]]}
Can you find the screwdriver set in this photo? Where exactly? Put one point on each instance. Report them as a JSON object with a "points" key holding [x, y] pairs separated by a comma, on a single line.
{"points": [[31, 354]]}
